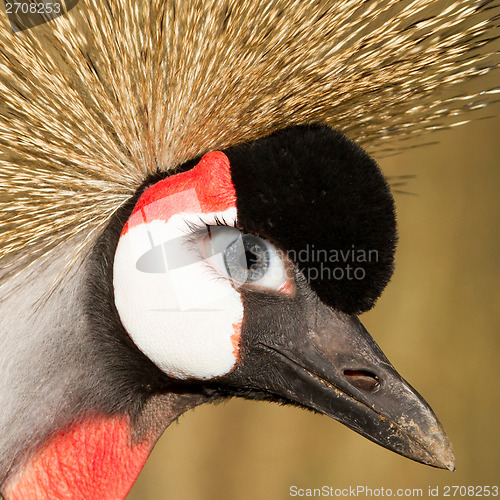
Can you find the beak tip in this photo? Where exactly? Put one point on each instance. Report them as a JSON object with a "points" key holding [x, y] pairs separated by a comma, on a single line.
{"points": [[445, 461], [426, 440], [444, 457], [448, 461], [449, 465]]}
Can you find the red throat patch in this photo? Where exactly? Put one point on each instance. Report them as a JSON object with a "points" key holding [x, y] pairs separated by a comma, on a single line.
{"points": [[95, 459]]}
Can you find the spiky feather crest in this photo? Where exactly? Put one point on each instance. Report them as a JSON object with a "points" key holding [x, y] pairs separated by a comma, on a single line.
{"points": [[98, 99]]}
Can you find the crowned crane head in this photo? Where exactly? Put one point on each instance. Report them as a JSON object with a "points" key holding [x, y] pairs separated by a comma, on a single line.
{"points": [[249, 284]]}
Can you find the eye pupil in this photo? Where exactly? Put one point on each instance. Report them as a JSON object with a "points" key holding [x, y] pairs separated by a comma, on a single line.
{"points": [[247, 259]]}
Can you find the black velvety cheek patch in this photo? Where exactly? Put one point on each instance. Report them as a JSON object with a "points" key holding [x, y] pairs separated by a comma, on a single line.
{"points": [[322, 199]]}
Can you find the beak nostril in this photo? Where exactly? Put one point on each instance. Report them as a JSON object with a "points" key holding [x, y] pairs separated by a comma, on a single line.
{"points": [[363, 380]]}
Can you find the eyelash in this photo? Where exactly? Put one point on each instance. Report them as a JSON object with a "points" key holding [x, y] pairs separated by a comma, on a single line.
{"points": [[197, 229]]}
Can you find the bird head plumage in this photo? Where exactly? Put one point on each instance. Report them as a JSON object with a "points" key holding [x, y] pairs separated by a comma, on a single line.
{"points": [[169, 174]]}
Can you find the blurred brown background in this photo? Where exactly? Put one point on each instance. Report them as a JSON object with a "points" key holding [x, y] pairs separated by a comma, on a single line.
{"points": [[439, 324]]}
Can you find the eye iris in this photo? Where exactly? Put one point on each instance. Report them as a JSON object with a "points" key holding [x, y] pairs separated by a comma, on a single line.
{"points": [[247, 262]]}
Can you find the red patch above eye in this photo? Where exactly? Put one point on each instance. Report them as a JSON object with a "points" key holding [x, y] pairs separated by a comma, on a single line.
{"points": [[205, 188]]}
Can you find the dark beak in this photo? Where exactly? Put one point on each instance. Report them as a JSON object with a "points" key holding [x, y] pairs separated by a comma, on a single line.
{"points": [[337, 369]]}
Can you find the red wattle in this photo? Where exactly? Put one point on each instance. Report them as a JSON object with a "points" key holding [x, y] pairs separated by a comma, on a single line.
{"points": [[94, 459]]}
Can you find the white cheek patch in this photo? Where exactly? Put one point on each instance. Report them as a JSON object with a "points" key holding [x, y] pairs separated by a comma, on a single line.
{"points": [[177, 309]]}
